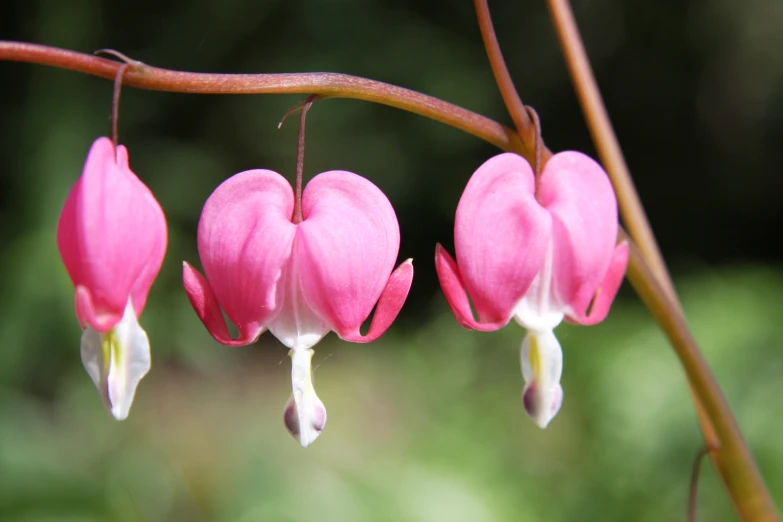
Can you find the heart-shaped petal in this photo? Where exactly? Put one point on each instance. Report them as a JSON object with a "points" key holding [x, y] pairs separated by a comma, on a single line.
{"points": [[245, 237], [347, 244], [500, 237], [578, 194]]}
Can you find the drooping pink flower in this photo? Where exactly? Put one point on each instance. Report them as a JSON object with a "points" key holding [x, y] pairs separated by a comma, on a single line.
{"points": [[299, 280], [538, 250], [112, 239]]}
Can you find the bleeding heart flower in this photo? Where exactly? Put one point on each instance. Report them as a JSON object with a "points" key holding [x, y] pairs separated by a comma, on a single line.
{"points": [[112, 239], [538, 250], [299, 280]]}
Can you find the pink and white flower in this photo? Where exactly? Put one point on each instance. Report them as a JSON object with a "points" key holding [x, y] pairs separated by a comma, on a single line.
{"points": [[298, 280], [112, 239], [538, 250]]}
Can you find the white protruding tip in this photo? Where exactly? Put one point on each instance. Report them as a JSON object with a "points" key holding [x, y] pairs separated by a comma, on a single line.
{"points": [[304, 414], [116, 361], [542, 366]]}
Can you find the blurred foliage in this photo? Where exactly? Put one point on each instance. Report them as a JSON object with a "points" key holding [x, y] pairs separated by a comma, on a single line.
{"points": [[426, 424]]}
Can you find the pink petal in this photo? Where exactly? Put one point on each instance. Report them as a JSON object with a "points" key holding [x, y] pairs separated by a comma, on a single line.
{"points": [[203, 300], [389, 304], [111, 236], [454, 290], [245, 237], [607, 291], [346, 248], [500, 237], [85, 311], [578, 194]]}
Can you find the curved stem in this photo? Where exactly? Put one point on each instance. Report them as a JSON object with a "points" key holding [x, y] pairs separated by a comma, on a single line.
{"points": [[732, 459], [326, 84], [694, 489], [508, 92]]}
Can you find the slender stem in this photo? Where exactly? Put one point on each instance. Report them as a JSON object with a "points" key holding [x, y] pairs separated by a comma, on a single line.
{"points": [[327, 84], [115, 103], [539, 143], [514, 104], [605, 140], [538, 147], [694, 489], [300, 149], [631, 209], [733, 460]]}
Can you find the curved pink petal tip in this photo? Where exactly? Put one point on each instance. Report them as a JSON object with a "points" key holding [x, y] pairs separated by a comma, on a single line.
{"points": [[454, 290], [389, 305], [607, 291], [88, 313], [207, 308]]}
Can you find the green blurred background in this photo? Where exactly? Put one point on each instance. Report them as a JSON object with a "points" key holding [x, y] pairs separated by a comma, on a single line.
{"points": [[425, 424]]}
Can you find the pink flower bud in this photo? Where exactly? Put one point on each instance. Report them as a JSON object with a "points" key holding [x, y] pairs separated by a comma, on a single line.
{"points": [[112, 239]]}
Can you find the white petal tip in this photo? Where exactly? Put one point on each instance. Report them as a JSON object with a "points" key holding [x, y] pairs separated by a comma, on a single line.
{"points": [[307, 423], [304, 414], [541, 407], [119, 413]]}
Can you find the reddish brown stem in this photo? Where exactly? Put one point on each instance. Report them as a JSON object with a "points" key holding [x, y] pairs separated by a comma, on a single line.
{"points": [[300, 149], [326, 84], [508, 92], [115, 103]]}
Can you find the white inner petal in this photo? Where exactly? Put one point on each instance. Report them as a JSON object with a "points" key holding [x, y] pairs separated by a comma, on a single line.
{"points": [[297, 326], [116, 361], [542, 367], [538, 310]]}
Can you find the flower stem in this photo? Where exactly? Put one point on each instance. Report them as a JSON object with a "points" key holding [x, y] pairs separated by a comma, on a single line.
{"points": [[694, 489], [647, 273], [326, 84], [300, 149], [732, 458], [115, 103], [516, 109]]}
